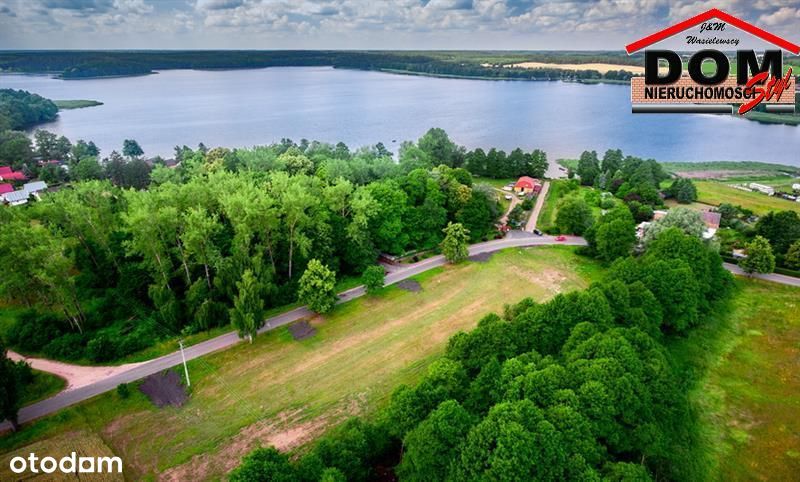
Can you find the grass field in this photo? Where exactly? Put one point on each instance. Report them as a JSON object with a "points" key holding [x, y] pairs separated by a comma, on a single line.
{"points": [[43, 385], [716, 193], [285, 392], [747, 396]]}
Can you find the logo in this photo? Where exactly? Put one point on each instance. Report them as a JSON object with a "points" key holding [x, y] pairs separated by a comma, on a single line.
{"points": [[706, 80], [70, 464]]}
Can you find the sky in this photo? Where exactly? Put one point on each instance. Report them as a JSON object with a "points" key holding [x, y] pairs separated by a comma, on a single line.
{"points": [[362, 24]]}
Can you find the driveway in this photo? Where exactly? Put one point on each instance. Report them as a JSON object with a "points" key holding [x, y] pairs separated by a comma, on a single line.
{"points": [[538, 207]]}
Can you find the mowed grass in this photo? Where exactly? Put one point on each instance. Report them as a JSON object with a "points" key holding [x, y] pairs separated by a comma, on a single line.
{"points": [[287, 393], [716, 193], [747, 398]]}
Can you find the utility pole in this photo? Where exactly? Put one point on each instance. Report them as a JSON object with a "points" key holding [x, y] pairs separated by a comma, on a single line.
{"points": [[185, 368]]}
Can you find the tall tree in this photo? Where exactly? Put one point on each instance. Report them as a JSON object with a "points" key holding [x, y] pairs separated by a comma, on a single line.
{"points": [[131, 149], [9, 389], [455, 242], [247, 314], [588, 168]]}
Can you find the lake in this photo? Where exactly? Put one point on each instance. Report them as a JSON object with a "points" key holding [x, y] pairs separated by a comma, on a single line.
{"points": [[238, 108]]}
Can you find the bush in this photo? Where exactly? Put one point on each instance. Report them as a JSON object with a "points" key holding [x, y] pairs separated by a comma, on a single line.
{"points": [[101, 348], [32, 331], [527, 204], [123, 390], [66, 347], [374, 278]]}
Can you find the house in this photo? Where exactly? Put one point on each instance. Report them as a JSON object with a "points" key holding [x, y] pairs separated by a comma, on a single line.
{"points": [[5, 187], [21, 196], [796, 187], [658, 214], [711, 219], [7, 174], [768, 190], [528, 185], [15, 198]]}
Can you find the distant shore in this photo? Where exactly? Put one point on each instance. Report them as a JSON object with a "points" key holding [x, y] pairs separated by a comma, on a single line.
{"points": [[76, 104]]}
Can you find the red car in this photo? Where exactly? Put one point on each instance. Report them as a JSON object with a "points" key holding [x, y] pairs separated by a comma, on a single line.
{"points": [[561, 238]]}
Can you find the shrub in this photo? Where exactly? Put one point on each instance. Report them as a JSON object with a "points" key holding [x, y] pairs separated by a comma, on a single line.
{"points": [[123, 390], [66, 347], [32, 331], [101, 348]]}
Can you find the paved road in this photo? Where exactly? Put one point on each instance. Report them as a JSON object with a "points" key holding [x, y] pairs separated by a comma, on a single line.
{"points": [[774, 277], [540, 198], [70, 397]]}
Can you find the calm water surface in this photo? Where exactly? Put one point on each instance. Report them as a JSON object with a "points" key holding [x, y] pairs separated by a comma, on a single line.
{"points": [[248, 107]]}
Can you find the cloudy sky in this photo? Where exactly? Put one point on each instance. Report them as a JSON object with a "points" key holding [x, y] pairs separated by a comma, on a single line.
{"points": [[361, 24]]}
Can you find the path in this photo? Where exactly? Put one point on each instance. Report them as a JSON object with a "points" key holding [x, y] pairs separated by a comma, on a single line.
{"points": [[514, 201], [538, 207], [774, 277], [76, 375], [144, 369]]}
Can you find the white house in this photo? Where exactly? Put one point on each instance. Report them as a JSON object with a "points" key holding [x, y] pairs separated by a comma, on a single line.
{"points": [[768, 190]]}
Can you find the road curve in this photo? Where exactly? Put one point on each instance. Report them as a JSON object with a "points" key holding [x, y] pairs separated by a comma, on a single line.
{"points": [[517, 239]]}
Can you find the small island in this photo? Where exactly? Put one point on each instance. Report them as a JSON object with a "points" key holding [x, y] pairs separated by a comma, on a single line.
{"points": [[76, 104]]}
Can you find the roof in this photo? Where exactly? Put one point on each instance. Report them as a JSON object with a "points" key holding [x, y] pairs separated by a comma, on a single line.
{"points": [[16, 196], [711, 218], [13, 176], [5, 170], [526, 181], [705, 16], [34, 186], [4, 188]]}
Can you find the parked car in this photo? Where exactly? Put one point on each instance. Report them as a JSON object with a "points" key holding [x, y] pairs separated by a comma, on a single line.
{"points": [[537, 232], [509, 197], [561, 238]]}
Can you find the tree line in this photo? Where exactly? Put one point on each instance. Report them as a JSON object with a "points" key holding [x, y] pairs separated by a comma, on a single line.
{"points": [[577, 388], [116, 260], [20, 109]]}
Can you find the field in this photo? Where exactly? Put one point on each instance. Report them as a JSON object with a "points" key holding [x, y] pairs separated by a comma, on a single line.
{"points": [[747, 396], [286, 392], [602, 68], [716, 193]]}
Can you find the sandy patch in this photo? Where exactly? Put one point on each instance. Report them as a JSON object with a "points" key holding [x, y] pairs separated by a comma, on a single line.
{"points": [[602, 68], [75, 375], [550, 279]]}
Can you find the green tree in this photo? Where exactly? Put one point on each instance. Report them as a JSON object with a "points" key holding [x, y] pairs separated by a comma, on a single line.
{"points": [[131, 149], [759, 257], [615, 239], [318, 287], [683, 190], [432, 445], [15, 149], [10, 389], [792, 259], [247, 313], [86, 169], [781, 229], [439, 148], [574, 216], [265, 464], [588, 168], [455, 243], [374, 278], [612, 162], [687, 220]]}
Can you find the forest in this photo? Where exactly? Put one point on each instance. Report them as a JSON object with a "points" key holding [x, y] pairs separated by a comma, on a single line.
{"points": [[20, 110], [87, 64], [130, 251]]}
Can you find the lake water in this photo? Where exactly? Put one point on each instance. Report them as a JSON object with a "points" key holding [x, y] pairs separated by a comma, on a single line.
{"points": [[249, 107]]}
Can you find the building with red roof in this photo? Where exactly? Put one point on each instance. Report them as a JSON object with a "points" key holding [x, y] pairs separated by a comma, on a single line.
{"points": [[7, 174], [5, 187], [528, 185]]}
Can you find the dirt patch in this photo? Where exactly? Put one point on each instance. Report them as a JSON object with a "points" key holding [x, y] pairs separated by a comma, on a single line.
{"points": [[285, 432], [480, 257], [302, 330], [410, 285], [164, 389], [549, 279]]}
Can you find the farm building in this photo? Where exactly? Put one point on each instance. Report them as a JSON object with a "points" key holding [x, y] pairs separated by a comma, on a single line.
{"points": [[7, 174], [762, 188], [15, 198], [5, 187], [528, 185]]}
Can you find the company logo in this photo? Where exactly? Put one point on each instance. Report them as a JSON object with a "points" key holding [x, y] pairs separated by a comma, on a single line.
{"points": [[704, 81], [70, 464]]}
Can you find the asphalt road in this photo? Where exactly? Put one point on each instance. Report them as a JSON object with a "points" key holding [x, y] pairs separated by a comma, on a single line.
{"points": [[71, 397]]}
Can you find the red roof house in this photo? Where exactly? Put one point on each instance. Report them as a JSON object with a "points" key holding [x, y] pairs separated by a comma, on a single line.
{"points": [[527, 184], [7, 174], [5, 187]]}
